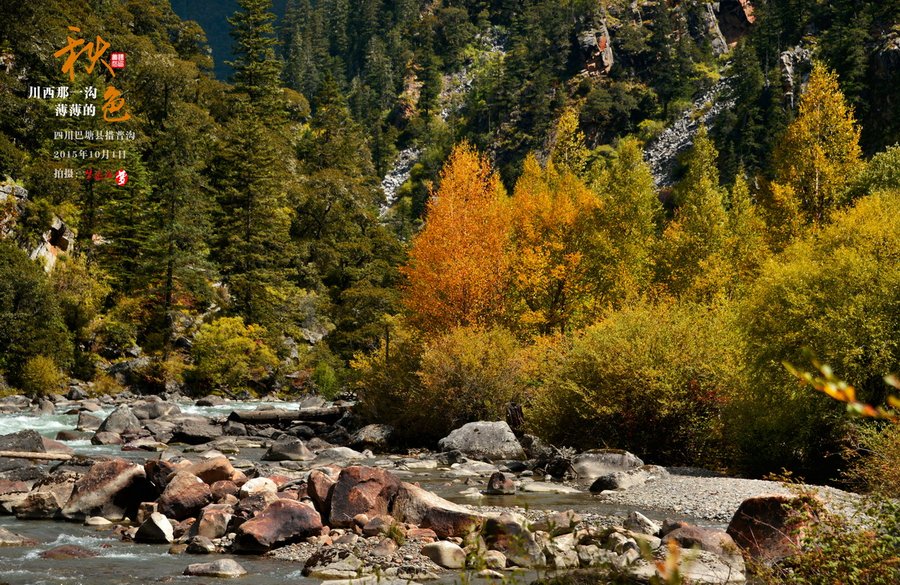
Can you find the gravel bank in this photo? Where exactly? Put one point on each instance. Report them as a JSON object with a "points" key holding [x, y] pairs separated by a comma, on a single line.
{"points": [[714, 499]]}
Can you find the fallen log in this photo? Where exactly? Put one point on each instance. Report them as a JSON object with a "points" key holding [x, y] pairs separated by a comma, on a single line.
{"points": [[30, 455], [326, 414]]}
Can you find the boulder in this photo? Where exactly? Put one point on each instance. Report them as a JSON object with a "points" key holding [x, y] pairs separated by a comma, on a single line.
{"points": [[418, 506], [106, 438], [223, 568], [212, 470], [770, 528], [319, 488], [375, 437], [558, 523], [445, 554], [281, 522], [185, 495], [500, 484], [154, 410], [592, 464], [637, 522], [708, 539], [200, 545], [213, 521], [37, 506], [120, 421], [159, 471], [27, 441], [484, 440], [110, 489], [703, 568], [221, 489], [289, 449], [8, 538], [67, 551], [87, 422], [332, 563], [193, 430], [508, 534], [258, 485], [623, 480], [157, 529], [361, 490]]}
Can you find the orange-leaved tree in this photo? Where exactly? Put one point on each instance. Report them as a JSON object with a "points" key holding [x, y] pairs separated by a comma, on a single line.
{"points": [[552, 228], [457, 272]]}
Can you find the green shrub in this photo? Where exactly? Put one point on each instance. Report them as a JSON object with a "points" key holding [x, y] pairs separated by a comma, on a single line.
{"points": [[427, 390], [231, 357], [877, 468], [41, 377], [653, 379], [326, 381], [834, 293]]}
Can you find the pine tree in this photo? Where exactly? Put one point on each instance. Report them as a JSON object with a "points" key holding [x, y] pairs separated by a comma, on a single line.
{"points": [[257, 70]]}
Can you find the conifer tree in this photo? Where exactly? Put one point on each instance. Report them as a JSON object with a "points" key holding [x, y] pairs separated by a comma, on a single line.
{"points": [[257, 70]]}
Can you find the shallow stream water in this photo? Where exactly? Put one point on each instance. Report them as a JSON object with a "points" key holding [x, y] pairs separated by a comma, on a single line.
{"points": [[126, 562]]}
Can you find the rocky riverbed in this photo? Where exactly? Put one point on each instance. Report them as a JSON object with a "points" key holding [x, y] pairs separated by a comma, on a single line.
{"points": [[296, 489]]}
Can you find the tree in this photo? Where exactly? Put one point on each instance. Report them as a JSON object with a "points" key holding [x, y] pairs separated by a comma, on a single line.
{"points": [[819, 155], [231, 356], [257, 71], [176, 267], [746, 239], [552, 228], [628, 218], [254, 248], [457, 272], [30, 320], [569, 152], [692, 261]]}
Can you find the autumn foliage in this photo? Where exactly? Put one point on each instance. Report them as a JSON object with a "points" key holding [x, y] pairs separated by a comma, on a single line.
{"points": [[458, 266]]}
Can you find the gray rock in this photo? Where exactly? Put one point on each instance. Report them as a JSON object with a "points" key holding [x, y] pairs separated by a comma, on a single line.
{"points": [[157, 529], [445, 554], [484, 440], [637, 522], [592, 464], [622, 480], [8, 538], [152, 410], [200, 545], [558, 523], [289, 449], [375, 437], [119, 421], [221, 568]]}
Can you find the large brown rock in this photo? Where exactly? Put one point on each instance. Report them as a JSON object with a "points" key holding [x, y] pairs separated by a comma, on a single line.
{"points": [[708, 539], [281, 522], [212, 470], [213, 521], [110, 489], [509, 534], [415, 505], [184, 496], [37, 506], [770, 528], [159, 471], [361, 490], [319, 487]]}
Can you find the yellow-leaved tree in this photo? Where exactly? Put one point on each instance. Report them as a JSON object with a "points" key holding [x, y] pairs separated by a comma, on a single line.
{"points": [[457, 272], [818, 157], [552, 227]]}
